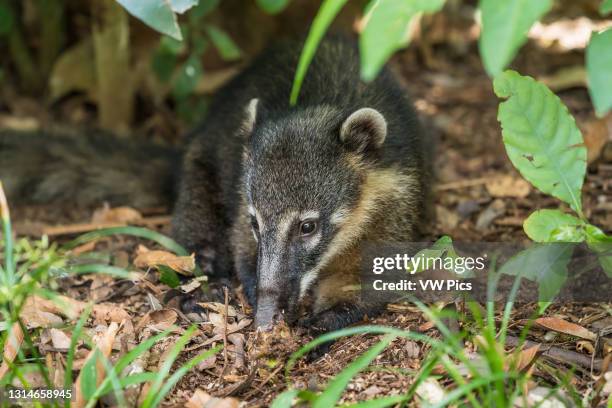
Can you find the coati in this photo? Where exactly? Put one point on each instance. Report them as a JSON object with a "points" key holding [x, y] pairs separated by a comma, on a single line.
{"points": [[284, 197]]}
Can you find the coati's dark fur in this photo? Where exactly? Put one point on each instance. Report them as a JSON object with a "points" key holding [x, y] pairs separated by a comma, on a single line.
{"points": [[256, 167]]}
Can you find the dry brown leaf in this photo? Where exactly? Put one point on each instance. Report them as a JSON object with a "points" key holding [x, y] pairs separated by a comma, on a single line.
{"points": [[40, 312], [207, 363], [508, 186], [105, 345], [125, 215], [219, 308], [217, 319], [147, 258], [526, 356], [59, 339], [597, 133], [11, 348], [162, 319], [562, 326], [109, 312], [191, 286], [201, 399]]}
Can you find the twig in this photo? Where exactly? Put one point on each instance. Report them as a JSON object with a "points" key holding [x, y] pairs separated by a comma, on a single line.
{"points": [[561, 355], [225, 313]]}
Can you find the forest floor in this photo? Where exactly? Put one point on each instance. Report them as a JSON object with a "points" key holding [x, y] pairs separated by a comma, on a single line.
{"points": [[478, 197]]}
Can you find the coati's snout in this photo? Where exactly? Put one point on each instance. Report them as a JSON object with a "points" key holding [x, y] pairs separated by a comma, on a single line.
{"points": [[302, 179]]}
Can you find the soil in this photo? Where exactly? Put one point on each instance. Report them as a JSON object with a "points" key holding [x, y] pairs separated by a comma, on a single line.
{"points": [[454, 96]]}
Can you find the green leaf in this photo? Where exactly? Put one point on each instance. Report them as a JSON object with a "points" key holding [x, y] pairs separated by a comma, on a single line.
{"points": [[387, 29], [285, 399], [272, 6], [605, 7], [541, 137], [326, 14], [553, 226], [545, 264], [223, 43], [504, 29], [168, 276], [336, 386], [157, 14], [599, 73], [601, 244]]}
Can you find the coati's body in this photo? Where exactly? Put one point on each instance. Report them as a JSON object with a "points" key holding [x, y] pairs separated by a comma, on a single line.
{"points": [[286, 197]]}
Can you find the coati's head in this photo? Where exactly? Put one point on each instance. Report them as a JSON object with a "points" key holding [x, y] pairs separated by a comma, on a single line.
{"points": [[303, 174]]}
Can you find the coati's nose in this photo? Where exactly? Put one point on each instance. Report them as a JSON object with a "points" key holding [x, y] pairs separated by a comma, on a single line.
{"points": [[267, 314]]}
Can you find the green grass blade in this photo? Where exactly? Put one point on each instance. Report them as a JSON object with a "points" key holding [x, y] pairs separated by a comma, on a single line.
{"points": [[124, 361], [9, 267], [178, 374], [327, 12], [166, 366], [464, 389], [161, 239], [336, 387], [285, 399], [378, 402], [76, 335], [352, 331], [100, 268]]}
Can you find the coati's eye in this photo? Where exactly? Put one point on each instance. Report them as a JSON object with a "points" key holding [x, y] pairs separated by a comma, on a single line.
{"points": [[308, 227]]}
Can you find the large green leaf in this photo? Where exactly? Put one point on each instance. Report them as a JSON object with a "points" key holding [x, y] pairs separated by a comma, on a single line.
{"points": [[158, 14], [599, 70], [387, 29], [545, 264], [272, 6], [327, 12], [553, 226], [541, 137], [504, 29]]}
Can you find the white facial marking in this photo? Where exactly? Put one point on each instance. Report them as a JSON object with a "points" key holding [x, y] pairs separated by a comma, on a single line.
{"points": [[307, 281], [309, 214], [311, 242]]}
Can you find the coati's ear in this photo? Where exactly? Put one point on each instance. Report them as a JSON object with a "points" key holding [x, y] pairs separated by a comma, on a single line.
{"points": [[364, 129], [250, 116]]}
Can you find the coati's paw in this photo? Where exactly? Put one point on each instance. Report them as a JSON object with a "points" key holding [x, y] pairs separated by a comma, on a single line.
{"points": [[332, 319]]}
